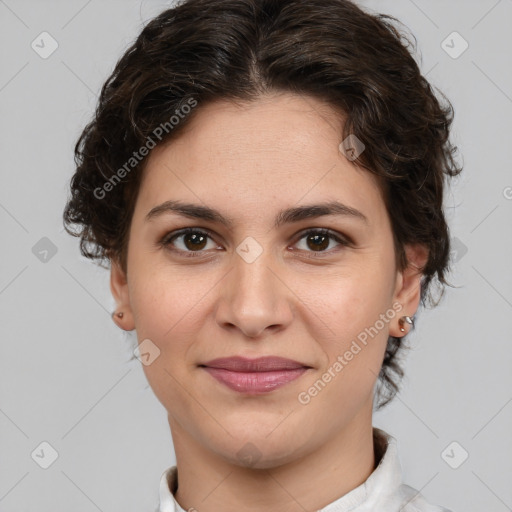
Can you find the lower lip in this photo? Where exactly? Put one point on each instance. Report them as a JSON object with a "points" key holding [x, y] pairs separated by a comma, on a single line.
{"points": [[254, 382]]}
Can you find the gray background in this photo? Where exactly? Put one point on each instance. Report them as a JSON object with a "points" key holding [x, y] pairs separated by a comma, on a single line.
{"points": [[65, 375]]}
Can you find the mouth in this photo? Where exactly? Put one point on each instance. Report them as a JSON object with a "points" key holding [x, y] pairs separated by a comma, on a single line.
{"points": [[254, 376]]}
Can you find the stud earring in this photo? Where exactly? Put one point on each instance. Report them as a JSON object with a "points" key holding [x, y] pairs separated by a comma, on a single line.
{"points": [[402, 321], [119, 315]]}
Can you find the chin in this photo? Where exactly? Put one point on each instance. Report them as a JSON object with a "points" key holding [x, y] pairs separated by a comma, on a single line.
{"points": [[261, 451]]}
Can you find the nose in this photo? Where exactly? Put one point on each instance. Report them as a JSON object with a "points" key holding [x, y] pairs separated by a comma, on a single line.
{"points": [[254, 297]]}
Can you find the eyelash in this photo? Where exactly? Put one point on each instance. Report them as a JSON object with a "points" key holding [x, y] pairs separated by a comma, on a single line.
{"points": [[170, 237]]}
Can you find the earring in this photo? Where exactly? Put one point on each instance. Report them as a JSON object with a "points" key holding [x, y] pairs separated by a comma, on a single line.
{"points": [[119, 315], [402, 321]]}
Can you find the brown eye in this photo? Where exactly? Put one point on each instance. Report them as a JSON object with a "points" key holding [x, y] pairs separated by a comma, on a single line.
{"points": [[318, 240], [192, 240]]}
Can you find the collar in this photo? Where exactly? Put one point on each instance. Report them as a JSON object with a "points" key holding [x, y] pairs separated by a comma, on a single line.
{"points": [[381, 491]]}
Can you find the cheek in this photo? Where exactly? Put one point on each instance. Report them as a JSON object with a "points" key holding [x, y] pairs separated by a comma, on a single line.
{"points": [[354, 352], [169, 310], [351, 309], [164, 302], [347, 305]]}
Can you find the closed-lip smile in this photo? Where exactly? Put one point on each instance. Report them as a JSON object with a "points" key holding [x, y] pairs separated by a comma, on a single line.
{"points": [[254, 376]]}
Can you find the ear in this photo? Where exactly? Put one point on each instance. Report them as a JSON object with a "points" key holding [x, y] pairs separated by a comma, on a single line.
{"points": [[121, 294], [408, 285]]}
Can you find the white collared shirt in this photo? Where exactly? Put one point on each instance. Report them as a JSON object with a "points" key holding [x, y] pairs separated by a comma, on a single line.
{"points": [[383, 490]]}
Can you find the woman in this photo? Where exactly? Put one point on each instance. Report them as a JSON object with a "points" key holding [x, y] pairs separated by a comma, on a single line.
{"points": [[265, 179]]}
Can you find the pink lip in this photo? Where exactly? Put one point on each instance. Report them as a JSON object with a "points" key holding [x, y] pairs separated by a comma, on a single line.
{"points": [[254, 376]]}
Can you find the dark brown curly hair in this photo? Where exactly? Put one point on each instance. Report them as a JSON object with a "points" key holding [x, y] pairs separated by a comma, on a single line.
{"points": [[360, 63]]}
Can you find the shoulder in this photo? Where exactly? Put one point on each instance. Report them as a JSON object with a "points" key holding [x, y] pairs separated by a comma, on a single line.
{"points": [[413, 501]]}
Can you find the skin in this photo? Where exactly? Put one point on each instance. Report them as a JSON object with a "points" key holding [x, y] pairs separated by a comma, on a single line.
{"points": [[249, 161]]}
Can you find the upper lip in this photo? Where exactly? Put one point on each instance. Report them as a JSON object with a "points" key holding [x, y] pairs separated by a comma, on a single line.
{"points": [[260, 364]]}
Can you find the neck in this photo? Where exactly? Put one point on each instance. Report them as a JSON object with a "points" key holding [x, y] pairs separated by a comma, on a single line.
{"points": [[208, 482]]}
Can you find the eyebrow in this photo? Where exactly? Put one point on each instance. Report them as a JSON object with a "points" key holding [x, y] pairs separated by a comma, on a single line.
{"points": [[288, 215]]}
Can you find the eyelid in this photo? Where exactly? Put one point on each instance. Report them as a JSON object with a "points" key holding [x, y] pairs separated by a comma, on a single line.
{"points": [[170, 235], [341, 239]]}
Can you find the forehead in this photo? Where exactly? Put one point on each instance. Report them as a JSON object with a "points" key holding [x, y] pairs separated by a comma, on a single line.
{"points": [[278, 151]]}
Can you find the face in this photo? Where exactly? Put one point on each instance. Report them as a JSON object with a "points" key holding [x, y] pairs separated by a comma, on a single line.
{"points": [[302, 286]]}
